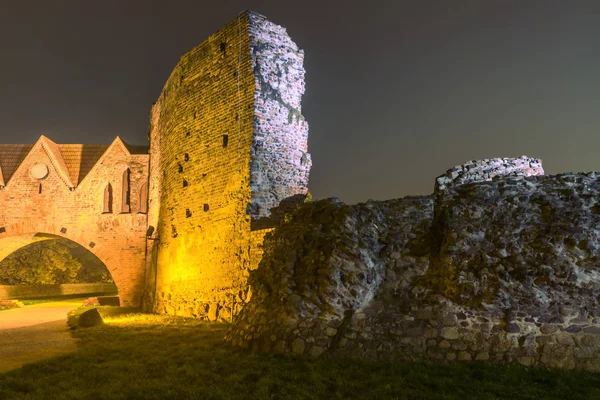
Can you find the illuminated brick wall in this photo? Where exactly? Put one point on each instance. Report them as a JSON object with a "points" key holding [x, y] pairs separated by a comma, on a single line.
{"points": [[69, 203], [228, 146]]}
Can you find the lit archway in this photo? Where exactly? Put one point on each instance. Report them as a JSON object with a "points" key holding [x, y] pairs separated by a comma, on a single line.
{"points": [[46, 265], [17, 236], [49, 266]]}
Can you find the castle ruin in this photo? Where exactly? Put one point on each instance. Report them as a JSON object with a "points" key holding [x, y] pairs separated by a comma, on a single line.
{"points": [[499, 263]]}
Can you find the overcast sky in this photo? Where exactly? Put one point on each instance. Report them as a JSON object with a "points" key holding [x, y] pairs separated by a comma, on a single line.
{"points": [[396, 93]]}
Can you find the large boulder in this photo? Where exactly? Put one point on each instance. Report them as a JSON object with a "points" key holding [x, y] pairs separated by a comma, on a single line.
{"points": [[90, 318]]}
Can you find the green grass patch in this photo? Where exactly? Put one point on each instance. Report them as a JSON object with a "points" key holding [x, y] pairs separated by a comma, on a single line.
{"points": [[29, 302], [105, 312], [139, 356]]}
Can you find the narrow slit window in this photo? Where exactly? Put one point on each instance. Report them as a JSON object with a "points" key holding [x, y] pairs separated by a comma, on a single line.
{"points": [[126, 192], [143, 205], [108, 199], [225, 140]]}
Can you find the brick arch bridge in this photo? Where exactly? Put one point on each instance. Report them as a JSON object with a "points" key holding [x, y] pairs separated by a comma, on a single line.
{"points": [[24, 234], [93, 195]]}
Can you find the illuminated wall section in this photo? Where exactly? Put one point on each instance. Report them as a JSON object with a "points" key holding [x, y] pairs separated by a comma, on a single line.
{"points": [[60, 190], [280, 161], [205, 134]]}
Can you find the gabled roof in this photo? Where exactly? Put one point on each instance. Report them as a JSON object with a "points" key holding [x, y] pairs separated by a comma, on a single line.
{"points": [[81, 158], [56, 159], [73, 162], [11, 156], [135, 148]]}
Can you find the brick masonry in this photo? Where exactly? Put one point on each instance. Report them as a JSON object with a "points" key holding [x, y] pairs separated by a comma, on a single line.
{"points": [[228, 145], [69, 203]]}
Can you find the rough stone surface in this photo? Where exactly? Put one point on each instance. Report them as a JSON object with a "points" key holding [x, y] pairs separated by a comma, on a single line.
{"points": [[90, 318], [280, 162], [504, 270], [487, 170]]}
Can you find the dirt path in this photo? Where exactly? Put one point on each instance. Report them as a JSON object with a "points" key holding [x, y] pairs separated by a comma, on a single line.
{"points": [[34, 333]]}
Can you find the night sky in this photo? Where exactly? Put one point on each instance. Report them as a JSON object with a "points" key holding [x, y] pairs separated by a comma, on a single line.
{"points": [[397, 91]]}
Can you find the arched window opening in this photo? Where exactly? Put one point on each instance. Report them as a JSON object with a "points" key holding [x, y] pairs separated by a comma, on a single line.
{"points": [[143, 204], [126, 203], [108, 199]]}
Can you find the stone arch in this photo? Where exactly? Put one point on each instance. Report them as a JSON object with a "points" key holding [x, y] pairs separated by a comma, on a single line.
{"points": [[21, 234], [14, 244]]}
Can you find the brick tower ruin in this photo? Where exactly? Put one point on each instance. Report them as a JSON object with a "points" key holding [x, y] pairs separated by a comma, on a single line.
{"points": [[228, 157]]}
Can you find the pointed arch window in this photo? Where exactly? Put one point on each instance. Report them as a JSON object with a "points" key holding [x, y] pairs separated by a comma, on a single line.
{"points": [[143, 200], [108, 199], [126, 192]]}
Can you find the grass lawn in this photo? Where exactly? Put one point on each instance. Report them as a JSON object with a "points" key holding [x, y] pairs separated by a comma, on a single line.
{"points": [[156, 357], [18, 305], [28, 302]]}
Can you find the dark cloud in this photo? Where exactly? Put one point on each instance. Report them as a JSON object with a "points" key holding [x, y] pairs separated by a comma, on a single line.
{"points": [[397, 91]]}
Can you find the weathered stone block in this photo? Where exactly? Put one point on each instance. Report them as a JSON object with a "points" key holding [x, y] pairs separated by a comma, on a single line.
{"points": [[450, 333], [298, 346], [90, 318]]}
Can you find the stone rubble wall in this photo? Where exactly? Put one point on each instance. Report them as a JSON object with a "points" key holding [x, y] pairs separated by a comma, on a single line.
{"points": [[325, 261], [505, 271], [488, 169], [280, 162]]}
